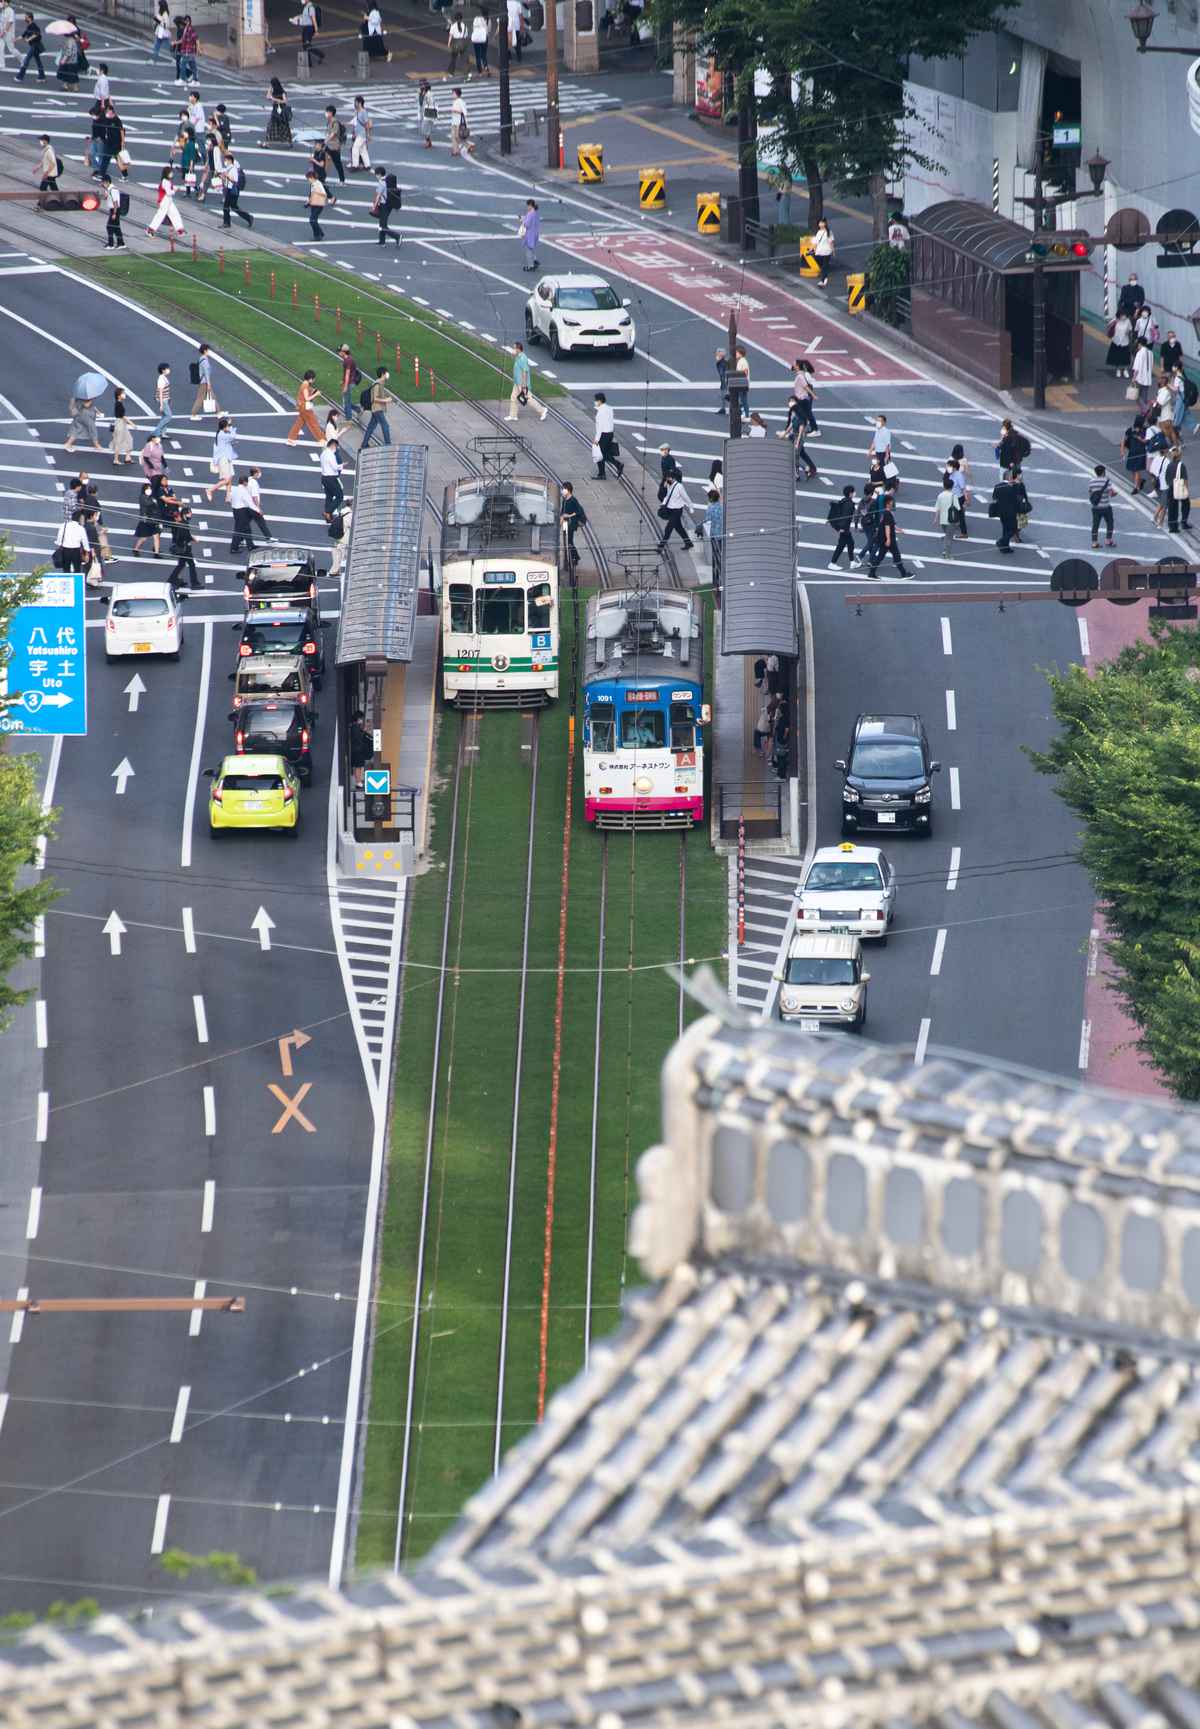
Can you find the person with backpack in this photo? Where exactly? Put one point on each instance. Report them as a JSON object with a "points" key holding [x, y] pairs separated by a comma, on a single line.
{"points": [[1101, 493], [351, 376], [335, 138], [233, 184], [315, 203], [1012, 449], [841, 519], [945, 515], [456, 42], [48, 166], [388, 197], [200, 374], [1185, 398], [377, 397], [309, 20]]}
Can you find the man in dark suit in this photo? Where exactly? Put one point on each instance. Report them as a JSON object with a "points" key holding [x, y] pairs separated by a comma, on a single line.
{"points": [[1005, 504]]}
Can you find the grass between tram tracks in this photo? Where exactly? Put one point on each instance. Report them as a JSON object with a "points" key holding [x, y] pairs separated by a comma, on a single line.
{"points": [[460, 1323], [280, 341]]}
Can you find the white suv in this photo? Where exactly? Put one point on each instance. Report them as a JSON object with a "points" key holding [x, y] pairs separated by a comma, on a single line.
{"points": [[578, 313]]}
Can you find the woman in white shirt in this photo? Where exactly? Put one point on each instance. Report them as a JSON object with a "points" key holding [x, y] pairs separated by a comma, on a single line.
{"points": [[456, 42], [479, 42], [823, 250], [461, 141], [1143, 372]]}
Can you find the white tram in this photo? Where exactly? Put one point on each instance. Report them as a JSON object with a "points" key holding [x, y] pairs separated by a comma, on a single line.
{"points": [[500, 548]]}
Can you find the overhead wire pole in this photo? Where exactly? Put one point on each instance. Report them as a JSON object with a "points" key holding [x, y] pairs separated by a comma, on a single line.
{"points": [[506, 115], [553, 134]]}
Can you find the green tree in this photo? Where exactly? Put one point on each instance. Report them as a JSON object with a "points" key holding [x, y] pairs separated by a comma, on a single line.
{"points": [[22, 822], [1127, 762], [845, 120]]}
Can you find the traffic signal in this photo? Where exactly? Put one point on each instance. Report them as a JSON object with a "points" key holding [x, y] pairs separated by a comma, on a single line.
{"points": [[69, 201]]}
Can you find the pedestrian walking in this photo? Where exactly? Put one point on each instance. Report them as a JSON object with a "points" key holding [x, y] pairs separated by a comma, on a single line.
{"points": [[1004, 508], [374, 38], [1164, 412], [71, 544], [388, 198], [671, 510], [945, 515], [279, 122], [381, 398], [1024, 508], [310, 29], [153, 463], [1144, 328], [529, 230], [83, 423], [1171, 353], [8, 32], [162, 32], [521, 394], [573, 518], [239, 503], [1133, 449], [797, 429], [149, 523], [840, 518], [254, 492], [870, 511], [879, 448], [224, 457], [306, 420], [331, 477], [427, 112], [515, 20], [110, 203], [956, 479], [1012, 447], [887, 543], [480, 31], [456, 42], [1179, 493], [460, 126], [722, 366], [200, 373], [1120, 333], [1131, 298], [31, 36], [361, 127], [713, 528], [823, 248], [183, 547], [315, 201], [188, 47], [758, 426], [162, 397], [335, 140], [69, 63], [233, 184], [604, 439], [1100, 497], [167, 210], [351, 378], [49, 166], [121, 443], [741, 367], [1143, 373]]}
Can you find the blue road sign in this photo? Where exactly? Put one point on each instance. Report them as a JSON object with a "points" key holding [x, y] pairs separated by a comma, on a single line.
{"points": [[378, 782], [43, 685]]}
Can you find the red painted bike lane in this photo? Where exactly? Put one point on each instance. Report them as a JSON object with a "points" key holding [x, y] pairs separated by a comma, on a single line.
{"points": [[768, 318]]}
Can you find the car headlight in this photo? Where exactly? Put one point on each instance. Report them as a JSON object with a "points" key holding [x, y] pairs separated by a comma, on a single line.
{"points": [[572, 322], [849, 796], [789, 1002], [849, 1004], [924, 796], [625, 319]]}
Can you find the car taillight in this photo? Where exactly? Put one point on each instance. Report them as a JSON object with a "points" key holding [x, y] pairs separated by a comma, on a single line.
{"points": [[111, 625], [171, 623], [310, 648], [682, 789], [870, 913], [240, 739], [217, 796], [288, 794], [606, 789], [244, 648], [304, 738]]}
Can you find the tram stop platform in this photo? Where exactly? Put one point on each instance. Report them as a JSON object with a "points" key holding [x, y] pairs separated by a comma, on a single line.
{"points": [[757, 628]]}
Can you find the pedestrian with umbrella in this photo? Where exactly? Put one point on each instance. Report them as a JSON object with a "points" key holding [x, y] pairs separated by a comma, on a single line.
{"points": [[82, 409]]}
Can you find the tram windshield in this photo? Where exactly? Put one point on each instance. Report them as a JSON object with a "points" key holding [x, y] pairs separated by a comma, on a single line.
{"points": [[460, 606], [683, 726], [643, 728], [500, 611], [604, 731]]}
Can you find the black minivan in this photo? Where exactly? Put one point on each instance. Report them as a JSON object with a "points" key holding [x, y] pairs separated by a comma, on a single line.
{"points": [[887, 776], [278, 729]]}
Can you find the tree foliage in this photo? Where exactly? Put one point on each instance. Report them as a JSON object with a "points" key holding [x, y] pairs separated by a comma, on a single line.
{"points": [[888, 272], [1127, 761], [22, 822], [844, 122]]}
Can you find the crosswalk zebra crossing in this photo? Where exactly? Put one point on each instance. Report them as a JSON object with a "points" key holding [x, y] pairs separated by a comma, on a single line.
{"points": [[482, 98], [769, 884]]}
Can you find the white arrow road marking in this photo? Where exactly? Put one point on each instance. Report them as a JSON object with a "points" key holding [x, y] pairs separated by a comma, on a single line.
{"points": [[114, 930], [264, 924], [135, 690], [121, 774]]}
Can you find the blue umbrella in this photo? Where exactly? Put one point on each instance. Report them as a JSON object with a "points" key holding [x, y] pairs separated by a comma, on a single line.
{"points": [[90, 385]]}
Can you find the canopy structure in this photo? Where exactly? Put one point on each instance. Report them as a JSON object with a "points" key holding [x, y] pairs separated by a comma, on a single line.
{"points": [[379, 580], [759, 612]]}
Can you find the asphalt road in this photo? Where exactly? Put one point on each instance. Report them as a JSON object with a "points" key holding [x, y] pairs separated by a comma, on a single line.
{"points": [[170, 1154]]}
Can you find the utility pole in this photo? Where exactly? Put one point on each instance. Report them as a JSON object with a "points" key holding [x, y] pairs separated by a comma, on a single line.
{"points": [[747, 130], [1042, 204], [506, 118], [552, 125]]}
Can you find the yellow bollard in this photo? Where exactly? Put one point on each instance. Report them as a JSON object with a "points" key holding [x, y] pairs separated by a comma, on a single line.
{"points": [[808, 262], [856, 293], [652, 189], [591, 163], [708, 212]]}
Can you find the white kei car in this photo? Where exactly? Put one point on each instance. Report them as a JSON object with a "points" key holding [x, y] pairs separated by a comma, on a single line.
{"points": [[848, 890], [143, 618], [578, 314]]}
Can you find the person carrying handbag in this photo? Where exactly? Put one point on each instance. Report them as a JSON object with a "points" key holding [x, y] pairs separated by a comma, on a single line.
{"points": [[71, 549], [461, 142], [823, 248], [1179, 494]]}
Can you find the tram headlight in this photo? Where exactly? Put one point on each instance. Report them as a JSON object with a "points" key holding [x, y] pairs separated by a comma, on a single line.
{"points": [[643, 784]]}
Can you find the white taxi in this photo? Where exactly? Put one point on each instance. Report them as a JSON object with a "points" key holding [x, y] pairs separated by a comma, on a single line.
{"points": [[578, 313], [143, 618], [847, 890]]}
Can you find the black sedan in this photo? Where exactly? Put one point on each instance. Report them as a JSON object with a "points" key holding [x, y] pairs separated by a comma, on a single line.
{"points": [[276, 728], [287, 630]]}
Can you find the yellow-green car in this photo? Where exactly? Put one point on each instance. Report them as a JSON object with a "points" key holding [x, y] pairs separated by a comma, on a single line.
{"points": [[254, 792]]}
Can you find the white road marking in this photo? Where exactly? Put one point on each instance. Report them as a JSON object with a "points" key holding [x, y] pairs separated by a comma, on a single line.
{"points": [[3, 1408], [39, 1023], [43, 1117], [159, 1536], [189, 929], [922, 1041], [947, 644], [189, 803], [1093, 954], [34, 1217], [210, 1201], [952, 873], [18, 1321], [955, 800], [123, 774], [951, 712], [135, 690], [210, 1111], [201, 1019], [85, 360], [114, 930], [939, 949], [48, 797], [1085, 1044], [197, 1315], [264, 924], [1085, 641], [39, 925], [180, 1417]]}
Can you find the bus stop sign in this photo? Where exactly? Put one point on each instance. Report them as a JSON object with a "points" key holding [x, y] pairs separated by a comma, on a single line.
{"points": [[43, 684]]}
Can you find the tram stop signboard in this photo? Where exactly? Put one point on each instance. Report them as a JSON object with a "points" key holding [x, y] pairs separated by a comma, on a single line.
{"points": [[43, 681]]}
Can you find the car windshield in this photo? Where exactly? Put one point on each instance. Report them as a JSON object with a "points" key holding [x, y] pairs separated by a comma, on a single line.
{"points": [[252, 783], [272, 678], [844, 874], [269, 724], [811, 970], [144, 607], [886, 761], [276, 636], [588, 299]]}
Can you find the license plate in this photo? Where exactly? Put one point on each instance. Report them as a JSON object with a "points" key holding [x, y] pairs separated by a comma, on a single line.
{"points": [[885, 816], [838, 930], [808, 1025], [253, 804], [142, 647]]}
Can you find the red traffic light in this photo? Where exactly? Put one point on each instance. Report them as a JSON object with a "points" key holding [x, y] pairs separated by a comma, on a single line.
{"points": [[1080, 249], [90, 201]]}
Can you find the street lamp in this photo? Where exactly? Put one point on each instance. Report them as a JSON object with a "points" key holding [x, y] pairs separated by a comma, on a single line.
{"points": [[1097, 167], [1141, 22]]}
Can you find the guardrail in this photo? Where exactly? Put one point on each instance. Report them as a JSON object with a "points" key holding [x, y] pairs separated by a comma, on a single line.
{"points": [[755, 234]]}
